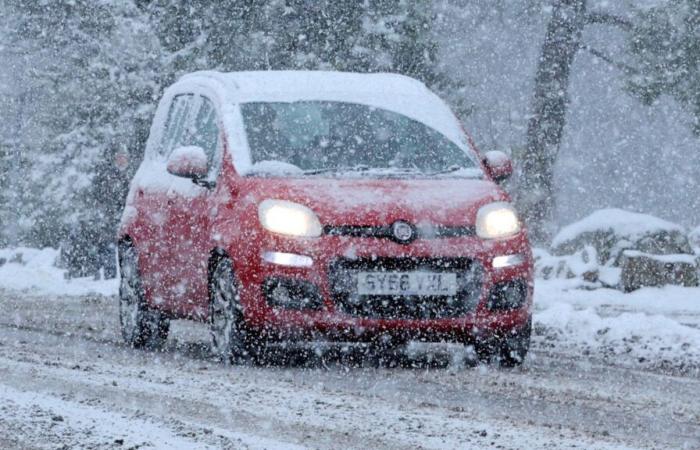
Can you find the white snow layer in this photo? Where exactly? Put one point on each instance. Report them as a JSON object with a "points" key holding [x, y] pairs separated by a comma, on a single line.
{"points": [[96, 427], [622, 223], [275, 168], [30, 269], [669, 259], [650, 324]]}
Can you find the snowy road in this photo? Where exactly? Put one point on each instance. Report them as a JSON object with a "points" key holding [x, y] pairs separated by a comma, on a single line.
{"points": [[66, 380]]}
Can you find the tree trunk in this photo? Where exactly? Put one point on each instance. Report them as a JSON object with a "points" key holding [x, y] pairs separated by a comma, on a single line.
{"points": [[535, 188]]}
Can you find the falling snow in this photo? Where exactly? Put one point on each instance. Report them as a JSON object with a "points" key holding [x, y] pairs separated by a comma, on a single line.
{"points": [[217, 220]]}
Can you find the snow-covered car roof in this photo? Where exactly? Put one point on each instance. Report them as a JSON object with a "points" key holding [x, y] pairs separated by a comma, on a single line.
{"points": [[259, 85], [393, 92]]}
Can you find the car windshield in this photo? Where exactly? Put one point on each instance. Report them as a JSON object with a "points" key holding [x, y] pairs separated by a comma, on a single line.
{"points": [[315, 137]]}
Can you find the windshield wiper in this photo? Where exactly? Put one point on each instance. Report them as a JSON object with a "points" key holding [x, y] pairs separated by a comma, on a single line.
{"points": [[388, 171], [357, 168], [450, 169]]}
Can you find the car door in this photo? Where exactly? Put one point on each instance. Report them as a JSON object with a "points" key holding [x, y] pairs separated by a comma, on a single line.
{"points": [[187, 230], [153, 197]]}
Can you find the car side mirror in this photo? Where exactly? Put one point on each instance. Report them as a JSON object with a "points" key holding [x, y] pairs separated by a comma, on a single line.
{"points": [[498, 165], [189, 162]]}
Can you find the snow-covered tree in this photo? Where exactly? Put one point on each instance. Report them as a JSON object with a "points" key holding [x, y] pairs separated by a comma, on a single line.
{"points": [[6, 214], [94, 71], [563, 41], [94, 77], [665, 47], [371, 36], [545, 129]]}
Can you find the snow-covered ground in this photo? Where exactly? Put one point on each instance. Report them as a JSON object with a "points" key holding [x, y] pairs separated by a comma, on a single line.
{"points": [[34, 270], [651, 326], [607, 370]]}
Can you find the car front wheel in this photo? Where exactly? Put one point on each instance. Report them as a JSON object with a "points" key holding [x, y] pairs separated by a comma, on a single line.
{"points": [[231, 340], [515, 346], [509, 349], [141, 327]]}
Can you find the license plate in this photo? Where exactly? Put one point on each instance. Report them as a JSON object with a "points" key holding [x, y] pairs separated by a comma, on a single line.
{"points": [[406, 283]]}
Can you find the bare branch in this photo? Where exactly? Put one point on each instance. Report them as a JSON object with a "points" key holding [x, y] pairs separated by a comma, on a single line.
{"points": [[609, 19], [599, 54]]}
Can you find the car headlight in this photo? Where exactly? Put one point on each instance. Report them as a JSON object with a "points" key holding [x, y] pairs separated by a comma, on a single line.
{"points": [[288, 218], [497, 220]]}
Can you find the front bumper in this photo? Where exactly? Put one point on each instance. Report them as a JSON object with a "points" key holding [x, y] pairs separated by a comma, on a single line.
{"points": [[327, 312]]}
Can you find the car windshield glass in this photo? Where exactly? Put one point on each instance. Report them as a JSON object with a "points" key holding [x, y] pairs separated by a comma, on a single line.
{"points": [[321, 137]]}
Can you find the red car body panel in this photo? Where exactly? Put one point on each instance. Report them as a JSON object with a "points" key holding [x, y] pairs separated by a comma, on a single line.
{"points": [[175, 236], [226, 218]]}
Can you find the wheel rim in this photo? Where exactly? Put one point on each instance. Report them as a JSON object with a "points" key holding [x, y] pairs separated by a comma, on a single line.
{"points": [[224, 311], [129, 297]]}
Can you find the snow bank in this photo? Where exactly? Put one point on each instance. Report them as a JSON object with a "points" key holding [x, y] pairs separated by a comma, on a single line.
{"points": [[631, 225], [651, 337], [30, 269], [575, 310], [651, 324]]}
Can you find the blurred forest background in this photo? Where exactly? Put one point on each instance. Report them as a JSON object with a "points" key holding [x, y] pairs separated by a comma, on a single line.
{"points": [[80, 79]]}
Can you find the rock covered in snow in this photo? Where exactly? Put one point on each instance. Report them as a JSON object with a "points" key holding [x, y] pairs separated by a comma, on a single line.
{"points": [[644, 269], [582, 264], [612, 231], [622, 249]]}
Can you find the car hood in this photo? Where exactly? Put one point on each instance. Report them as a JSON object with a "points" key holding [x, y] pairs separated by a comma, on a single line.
{"points": [[450, 201]]}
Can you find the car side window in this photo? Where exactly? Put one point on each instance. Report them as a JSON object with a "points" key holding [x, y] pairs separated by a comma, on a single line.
{"points": [[192, 120], [175, 124], [204, 131]]}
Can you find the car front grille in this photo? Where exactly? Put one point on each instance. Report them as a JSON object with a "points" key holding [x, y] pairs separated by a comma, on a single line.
{"points": [[384, 231], [343, 280]]}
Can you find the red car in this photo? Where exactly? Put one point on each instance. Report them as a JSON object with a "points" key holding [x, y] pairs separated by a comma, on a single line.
{"points": [[280, 206]]}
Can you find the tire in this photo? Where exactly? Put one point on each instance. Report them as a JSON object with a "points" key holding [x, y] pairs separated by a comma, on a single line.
{"points": [[141, 327], [231, 340], [515, 345], [510, 349]]}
